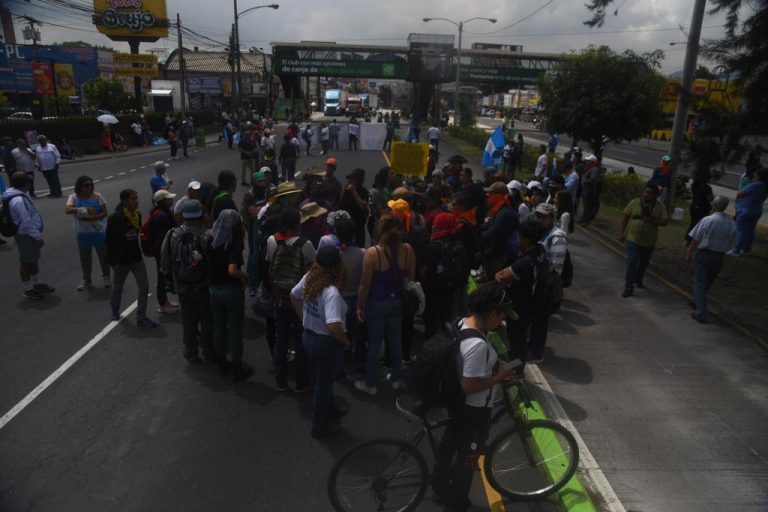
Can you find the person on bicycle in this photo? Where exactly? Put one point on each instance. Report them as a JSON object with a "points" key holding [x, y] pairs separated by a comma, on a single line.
{"points": [[470, 422]]}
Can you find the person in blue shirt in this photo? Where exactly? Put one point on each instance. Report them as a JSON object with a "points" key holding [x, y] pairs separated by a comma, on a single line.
{"points": [[160, 180], [749, 209]]}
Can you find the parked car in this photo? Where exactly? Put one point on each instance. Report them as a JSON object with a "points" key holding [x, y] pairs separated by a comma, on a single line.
{"points": [[21, 115]]}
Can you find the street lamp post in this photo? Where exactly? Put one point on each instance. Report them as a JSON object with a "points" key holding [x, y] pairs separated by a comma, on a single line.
{"points": [[460, 26], [236, 87]]}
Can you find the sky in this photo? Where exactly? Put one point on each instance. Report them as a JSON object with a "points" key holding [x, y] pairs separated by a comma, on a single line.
{"points": [[554, 26]]}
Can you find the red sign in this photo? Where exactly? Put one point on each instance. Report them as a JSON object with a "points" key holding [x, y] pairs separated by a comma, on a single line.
{"points": [[42, 78]]}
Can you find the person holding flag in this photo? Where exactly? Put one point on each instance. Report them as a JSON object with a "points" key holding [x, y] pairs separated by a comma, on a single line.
{"points": [[494, 148]]}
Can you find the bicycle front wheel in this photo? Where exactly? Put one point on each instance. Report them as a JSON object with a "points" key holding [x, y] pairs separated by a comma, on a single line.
{"points": [[377, 476], [531, 460]]}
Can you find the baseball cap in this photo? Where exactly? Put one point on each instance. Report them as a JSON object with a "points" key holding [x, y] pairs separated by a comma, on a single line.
{"points": [[332, 161], [592, 158], [192, 209], [161, 195], [516, 185], [328, 256], [545, 209], [194, 185], [259, 175], [159, 164], [438, 173], [498, 188], [534, 184], [266, 170]]}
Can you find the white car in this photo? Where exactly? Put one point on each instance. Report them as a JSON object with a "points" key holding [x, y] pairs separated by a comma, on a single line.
{"points": [[20, 115]]}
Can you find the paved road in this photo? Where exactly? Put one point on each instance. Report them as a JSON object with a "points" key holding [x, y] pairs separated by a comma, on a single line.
{"points": [[675, 413]]}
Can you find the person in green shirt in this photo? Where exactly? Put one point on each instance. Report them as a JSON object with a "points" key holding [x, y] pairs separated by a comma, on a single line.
{"points": [[640, 229]]}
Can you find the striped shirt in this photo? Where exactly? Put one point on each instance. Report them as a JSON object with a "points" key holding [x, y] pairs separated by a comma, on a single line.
{"points": [[556, 244], [716, 232]]}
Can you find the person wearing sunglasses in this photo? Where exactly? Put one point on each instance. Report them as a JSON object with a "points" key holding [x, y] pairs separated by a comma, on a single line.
{"points": [[90, 212]]}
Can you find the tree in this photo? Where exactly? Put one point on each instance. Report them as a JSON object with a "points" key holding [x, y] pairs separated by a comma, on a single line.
{"points": [[467, 114], [107, 94], [600, 96], [83, 44]]}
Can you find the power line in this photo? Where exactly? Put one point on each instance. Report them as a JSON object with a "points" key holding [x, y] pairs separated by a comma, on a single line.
{"points": [[597, 33], [513, 24]]}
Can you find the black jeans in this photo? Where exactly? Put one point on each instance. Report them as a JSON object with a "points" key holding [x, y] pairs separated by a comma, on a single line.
{"points": [[54, 185], [288, 327], [456, 459], [196, 311], [162, 295], [517, 332]]}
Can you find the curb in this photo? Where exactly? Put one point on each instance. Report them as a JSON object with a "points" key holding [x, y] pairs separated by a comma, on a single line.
{"points": [[100, 158]]}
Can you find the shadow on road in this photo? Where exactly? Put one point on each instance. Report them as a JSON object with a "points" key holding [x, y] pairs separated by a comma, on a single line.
{"points": [[569, 369], [49, 302]]}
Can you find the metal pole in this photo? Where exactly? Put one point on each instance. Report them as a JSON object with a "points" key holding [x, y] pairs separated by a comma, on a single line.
{"points": [[182, 71], [138, 104], [456, 118], [232, 65], [683, 99], [236, 90]]}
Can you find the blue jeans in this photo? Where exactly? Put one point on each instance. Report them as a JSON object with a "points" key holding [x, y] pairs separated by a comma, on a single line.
{"points": [[637, 262], [288, 325], [708, 265], [325, 355], [745, 231], [383, 319]]}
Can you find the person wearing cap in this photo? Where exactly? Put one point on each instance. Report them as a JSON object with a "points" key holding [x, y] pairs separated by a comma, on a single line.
{"points": [[661, 176], [481, 374], [498, 233], [160, 180], [287, 158], [313, 222], [710, 240], [517, 193], [640, 229], [161, 222], [269, 166], [48, 159], [192, 290], [536, 196], [124, 255], [318, 301], [354, 199], [89, 209], [222, 197], [193, 191], [332, 183], [248, 156]]}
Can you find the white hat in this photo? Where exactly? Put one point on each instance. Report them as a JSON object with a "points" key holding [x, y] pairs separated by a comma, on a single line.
{"points": [[266, 170], [591, 158], [194, 185], [534, 184], [438, 172], [159, 164], [515, 185], [162, 194]]}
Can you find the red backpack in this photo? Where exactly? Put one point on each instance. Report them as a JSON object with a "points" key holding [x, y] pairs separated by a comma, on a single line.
{"points": [[146, 241]]}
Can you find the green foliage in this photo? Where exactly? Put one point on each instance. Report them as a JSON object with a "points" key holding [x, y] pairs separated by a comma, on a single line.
{"points": [[107, 94], [4, 101], [620, 188], [600, 96], [467, 115], [471, 135]]}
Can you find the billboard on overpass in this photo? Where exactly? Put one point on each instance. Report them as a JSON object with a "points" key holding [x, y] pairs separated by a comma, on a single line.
{"points": [[339, 68]]}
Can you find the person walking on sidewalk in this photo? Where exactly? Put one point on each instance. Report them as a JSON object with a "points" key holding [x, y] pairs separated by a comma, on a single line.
{"points": [[184, 257], [710, 239], [29, 237], [124, 255], [640, 229], [48, 160], [90, 211]]}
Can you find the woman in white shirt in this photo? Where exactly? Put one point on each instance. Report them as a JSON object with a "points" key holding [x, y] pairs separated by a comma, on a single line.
{"points": [[318, 300]]}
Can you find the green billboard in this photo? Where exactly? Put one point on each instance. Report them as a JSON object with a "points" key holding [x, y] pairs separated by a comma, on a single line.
{"points": [[339, 68]]}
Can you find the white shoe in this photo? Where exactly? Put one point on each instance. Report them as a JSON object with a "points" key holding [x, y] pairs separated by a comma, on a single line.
{"points": [[167, 309], [395, 385], [84, 285], [733, 252], [360, 386]]}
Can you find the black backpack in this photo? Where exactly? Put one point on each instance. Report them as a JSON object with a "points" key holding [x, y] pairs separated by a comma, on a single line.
{"points": [[287, 267], [434, 376], [455, 263], [8, 228], [548, 291], [191, 261]]}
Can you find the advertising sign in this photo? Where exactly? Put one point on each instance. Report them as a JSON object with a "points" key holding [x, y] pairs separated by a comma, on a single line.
{"points": [[65, 80], [409, 158], [123, 59], [339, 68], [142, 72], [125, 20], [204, 85], [498, 74], [43, 79]]}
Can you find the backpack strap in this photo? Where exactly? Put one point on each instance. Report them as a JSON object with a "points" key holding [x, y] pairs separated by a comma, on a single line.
{"points": [[467, 333]]}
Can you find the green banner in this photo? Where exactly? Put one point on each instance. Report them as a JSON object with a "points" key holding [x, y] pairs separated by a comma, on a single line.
{"points": [[339, 68], [496, 74]]}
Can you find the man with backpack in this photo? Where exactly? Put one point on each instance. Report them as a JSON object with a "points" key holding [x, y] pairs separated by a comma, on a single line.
{"points": [[289, 256], [22, 220], [472, 375], [186, 260]]}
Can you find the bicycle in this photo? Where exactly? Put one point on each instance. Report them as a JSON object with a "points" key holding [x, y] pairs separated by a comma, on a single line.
{"points": [[529, 460]]}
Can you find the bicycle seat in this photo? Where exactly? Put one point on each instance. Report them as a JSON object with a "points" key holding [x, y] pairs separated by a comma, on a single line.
{"points": [[410, 406]]}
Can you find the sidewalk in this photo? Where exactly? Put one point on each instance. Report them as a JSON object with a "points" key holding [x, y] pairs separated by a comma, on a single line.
{"points": [[134, 151]]}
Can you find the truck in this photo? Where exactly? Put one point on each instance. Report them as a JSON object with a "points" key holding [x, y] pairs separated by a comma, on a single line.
{"points": [[354, 106], [335, 102]]}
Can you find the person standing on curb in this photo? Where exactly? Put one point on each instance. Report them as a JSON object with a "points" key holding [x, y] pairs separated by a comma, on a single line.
{"points": [[640, 229], [124, 255], [184, 257], [710, 240], [48, 160], [29, 237]]}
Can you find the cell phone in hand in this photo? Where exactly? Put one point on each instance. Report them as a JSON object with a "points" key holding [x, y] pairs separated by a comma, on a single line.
{"points": [[514, 364]]}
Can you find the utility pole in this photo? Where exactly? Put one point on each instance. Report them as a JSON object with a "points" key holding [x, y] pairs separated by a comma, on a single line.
{"points": [[683, 98], [232, 66], [182, 71], [236, 46]]}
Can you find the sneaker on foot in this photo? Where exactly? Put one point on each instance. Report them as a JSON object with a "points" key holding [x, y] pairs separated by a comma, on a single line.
{"points": [[699, 319], [733, 252], [395, 385], [627, 291], [33, 295], [640, 284], [146, 322], [115, 314], [360, 386], [167, 309], [44, 288], [84, 285]]}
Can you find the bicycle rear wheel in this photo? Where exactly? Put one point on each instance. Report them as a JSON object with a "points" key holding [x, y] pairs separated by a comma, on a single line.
{"points": [[377, 476], [531, 460]]}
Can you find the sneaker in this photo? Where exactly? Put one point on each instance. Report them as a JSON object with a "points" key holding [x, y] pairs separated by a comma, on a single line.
{"points": [[115, 314], [167, 309], [640, 284], [395, 385], [303, 389], [147, 322], [33, 295], [733, 252], [699, 319], [44, 288], [107, 282], [360, 386], [628, 291], [84, 285], [241, 372], [281, 386]]}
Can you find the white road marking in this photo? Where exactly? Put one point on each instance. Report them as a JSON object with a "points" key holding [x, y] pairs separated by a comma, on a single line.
{"points": [[108, 177], [7, 417], [143, 167], [132, 170], [297, 174], [594, 477], [121, 173]]}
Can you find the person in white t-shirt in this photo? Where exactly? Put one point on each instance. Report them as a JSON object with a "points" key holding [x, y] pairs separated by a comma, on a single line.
{"points": [[481, 374], [542, 164], [317, 299], [434, 137]]}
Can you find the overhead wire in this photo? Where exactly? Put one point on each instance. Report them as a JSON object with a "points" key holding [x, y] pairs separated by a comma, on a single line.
{"points": [[537, 11]]}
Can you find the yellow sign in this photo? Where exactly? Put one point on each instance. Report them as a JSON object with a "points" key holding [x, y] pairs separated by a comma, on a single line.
{"points": [[65, 80], [125, 20], [134, 58], [142, 72], [409, 158]]}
